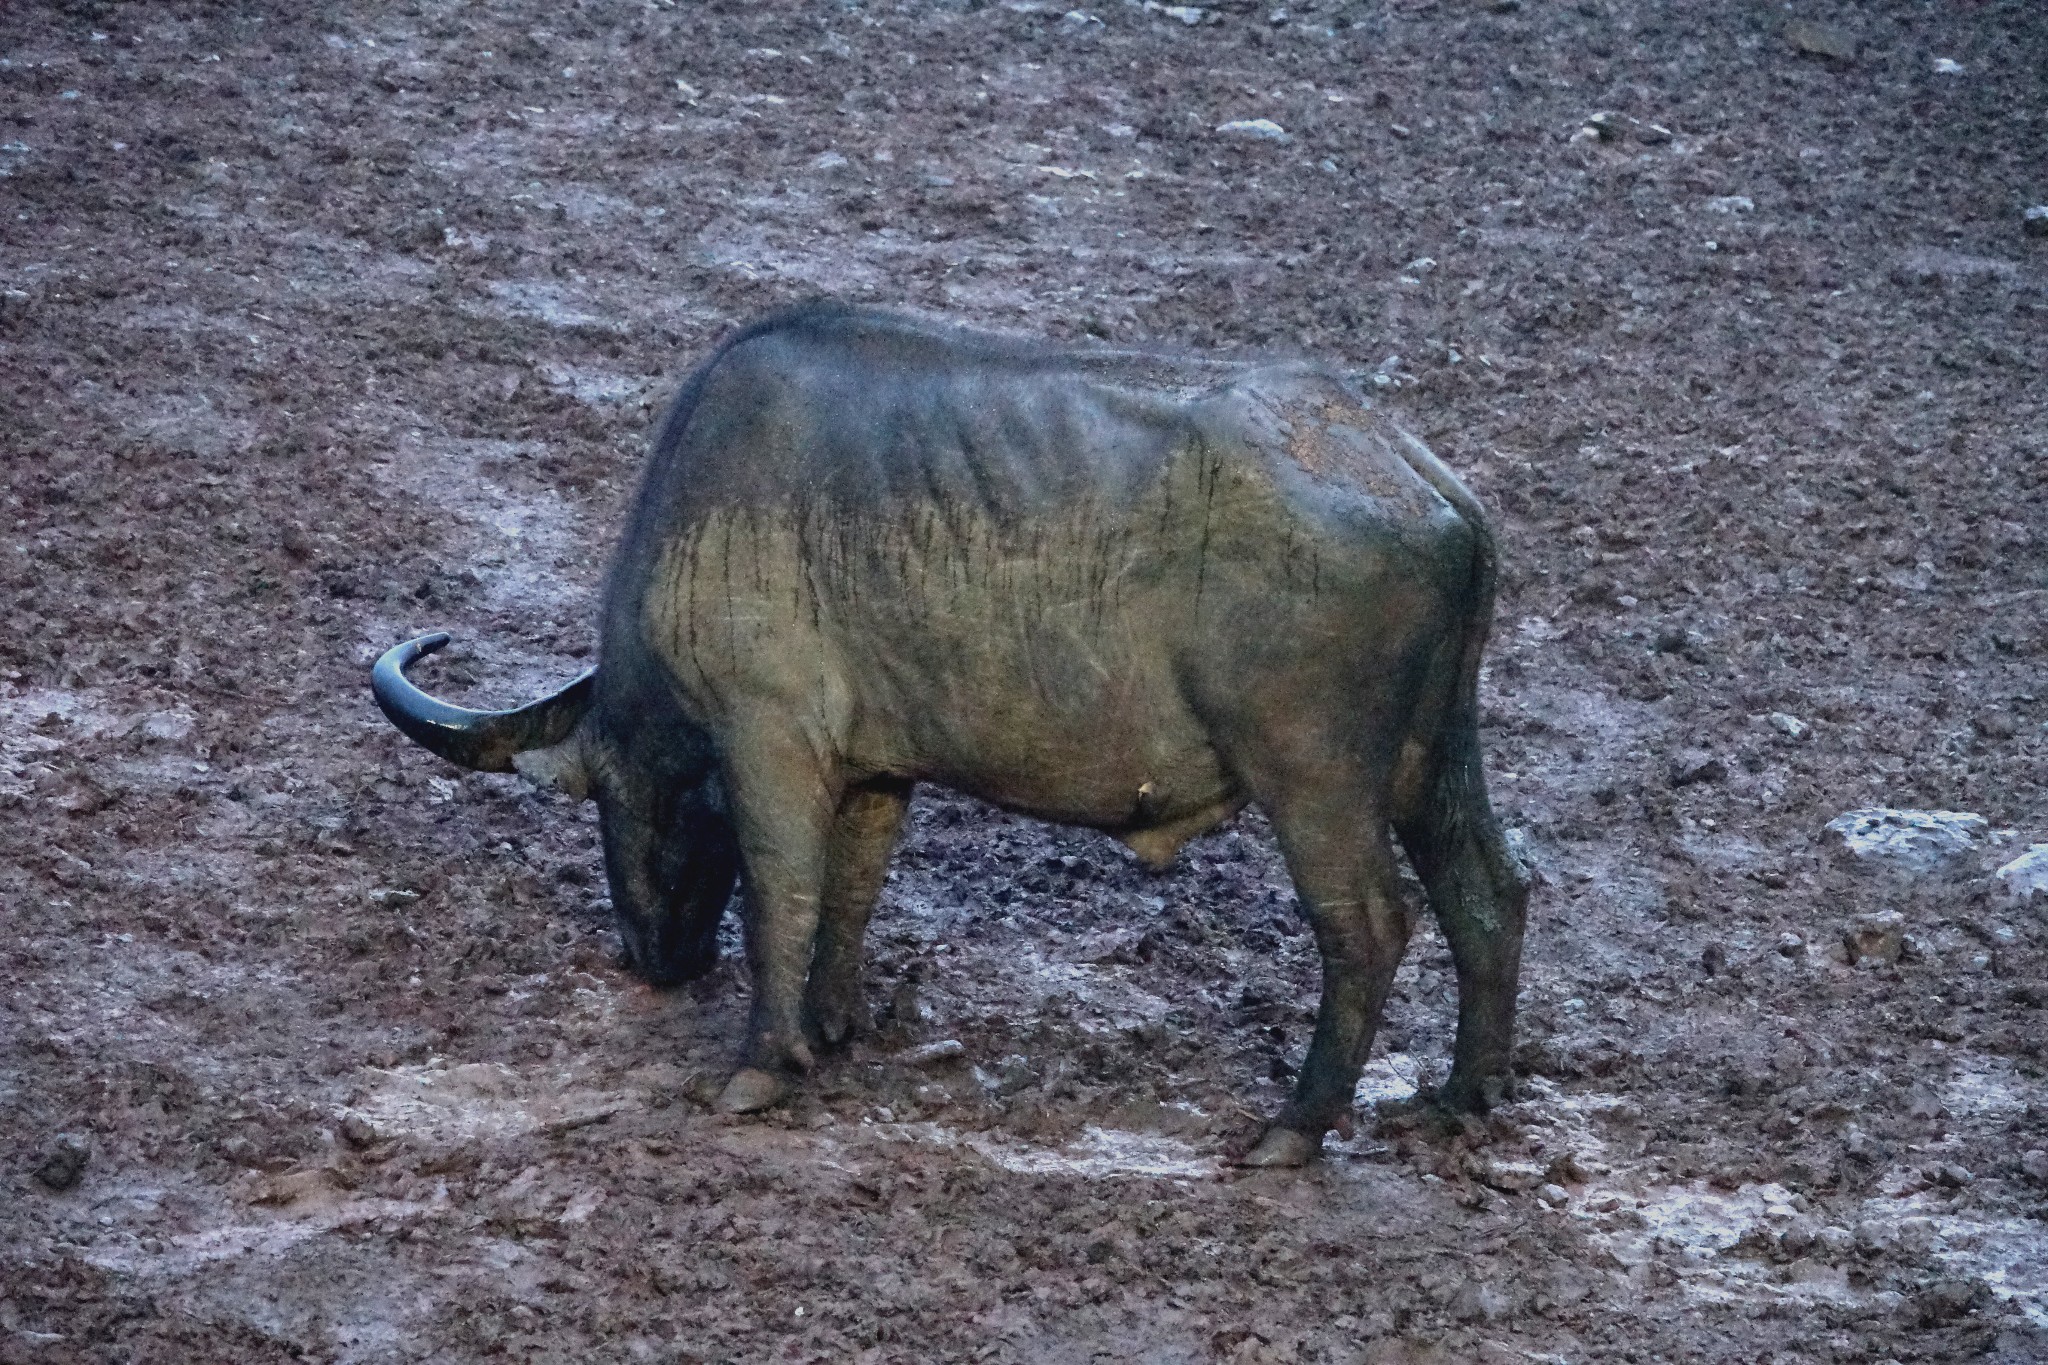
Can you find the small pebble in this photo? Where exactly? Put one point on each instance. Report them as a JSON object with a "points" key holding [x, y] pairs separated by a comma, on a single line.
{"points": [[1257, 128], [933, 1054], [1791, 727]]}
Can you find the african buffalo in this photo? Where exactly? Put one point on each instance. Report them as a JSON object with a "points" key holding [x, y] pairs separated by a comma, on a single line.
{"points": [[1113, 589]]}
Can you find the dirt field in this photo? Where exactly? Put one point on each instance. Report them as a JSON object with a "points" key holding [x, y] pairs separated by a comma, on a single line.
{"points": [[321, 325]]}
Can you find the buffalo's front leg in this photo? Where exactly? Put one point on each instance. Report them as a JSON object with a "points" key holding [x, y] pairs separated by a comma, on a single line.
{"points": [[784, 798], [856, 863]]}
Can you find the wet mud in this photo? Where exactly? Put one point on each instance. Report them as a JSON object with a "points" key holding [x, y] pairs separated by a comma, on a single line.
{"points": [[321, 326]]}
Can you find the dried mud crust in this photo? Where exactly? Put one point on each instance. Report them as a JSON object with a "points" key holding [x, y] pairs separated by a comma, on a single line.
{"points": [[322, 325]]}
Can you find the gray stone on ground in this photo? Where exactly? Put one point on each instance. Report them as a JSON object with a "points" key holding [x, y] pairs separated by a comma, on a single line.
{"points": [[932, 1054], [1790, 726], [1918, 841], [1695, 766], [2036, 220], [1821, 40], [2026, 876], [1878, 939], [1255, 128]]}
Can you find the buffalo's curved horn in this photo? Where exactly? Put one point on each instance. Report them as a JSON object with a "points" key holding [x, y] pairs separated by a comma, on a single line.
{"points": [[483, 740]]}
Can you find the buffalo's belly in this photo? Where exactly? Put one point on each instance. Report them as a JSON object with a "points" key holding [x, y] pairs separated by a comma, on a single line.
{"points": [[1085, 728]]}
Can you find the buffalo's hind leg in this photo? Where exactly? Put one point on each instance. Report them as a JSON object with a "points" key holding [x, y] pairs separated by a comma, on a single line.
{"points": [[1479, 895], [856, 864], [671, 861], [1335, 840]]}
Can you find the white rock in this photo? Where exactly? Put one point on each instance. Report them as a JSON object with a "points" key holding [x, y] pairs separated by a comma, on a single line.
{"points": [[2035, 219], [1948, 66], [1908, 840], [932, 1054], [167, 727], [1790, 726], [1732, 203], [2027, 875], [1254, 128]]}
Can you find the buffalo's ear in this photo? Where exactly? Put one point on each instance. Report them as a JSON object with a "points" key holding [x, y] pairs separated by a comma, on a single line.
{"points": [[561, 766]]}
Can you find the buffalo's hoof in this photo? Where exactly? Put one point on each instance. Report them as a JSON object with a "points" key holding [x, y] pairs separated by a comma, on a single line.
{"points": [[1463, 1095], [751, 1090], [1283, 1147], [835, 1019]]}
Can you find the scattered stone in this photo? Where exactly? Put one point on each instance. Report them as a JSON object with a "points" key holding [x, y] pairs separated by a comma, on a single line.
{"points": [[1553, 1195], [1878, 939], [1821, 40], [2034, 1165], [1948, 66], [358, 1132], [2035, 221], [1258, 129], [1791, 727], [1907, 840], [932, 1054], [1731, 204], [2026, 876], [1790, 944], [64, 1163], [1951, 1176], [1695, 766], [1713, 959], [1187, 14], [1609, 126]]}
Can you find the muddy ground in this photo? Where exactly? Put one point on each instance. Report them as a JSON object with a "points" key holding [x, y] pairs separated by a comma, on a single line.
{"points": [[324, 324]]}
